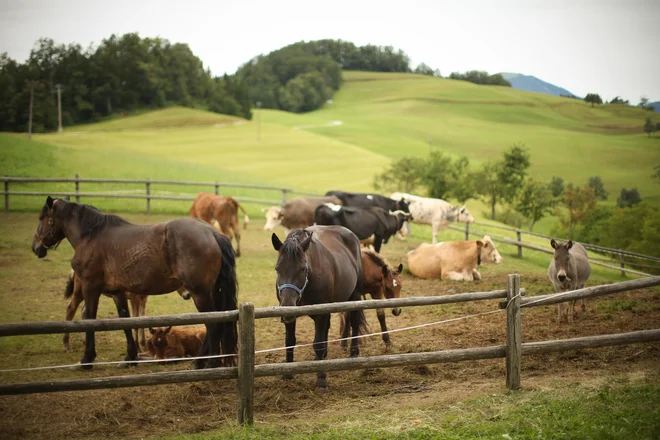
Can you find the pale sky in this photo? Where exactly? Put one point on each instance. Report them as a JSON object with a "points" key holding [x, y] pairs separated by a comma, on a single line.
{"points": [[611, 47]]}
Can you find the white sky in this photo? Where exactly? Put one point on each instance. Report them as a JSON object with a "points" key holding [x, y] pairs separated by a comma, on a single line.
{"points": [[611, 47]]}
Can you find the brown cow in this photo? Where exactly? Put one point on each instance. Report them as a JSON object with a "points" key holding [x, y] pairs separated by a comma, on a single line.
{"points": [[381, 281], [175, 342], [222, 213], [296, 213], [453, 260]]}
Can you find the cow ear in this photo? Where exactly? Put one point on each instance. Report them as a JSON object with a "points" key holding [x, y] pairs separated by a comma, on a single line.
{"points": [[167, 330], [399, 269], [277, 243], [553, 243], [152, 331], [569, 244], [49, 202], [305, 243], [480, 244], [281, 214]]}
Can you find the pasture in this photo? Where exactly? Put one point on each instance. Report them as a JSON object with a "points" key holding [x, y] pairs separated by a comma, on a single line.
{"points": [[421, 401]]}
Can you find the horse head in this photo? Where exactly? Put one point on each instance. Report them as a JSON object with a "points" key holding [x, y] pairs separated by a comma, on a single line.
{"points": [[50, 230], [292, 268], [392, 284]]}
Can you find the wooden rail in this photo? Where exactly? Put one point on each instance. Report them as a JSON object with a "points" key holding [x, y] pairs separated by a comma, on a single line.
{"points": [[247, 371]]}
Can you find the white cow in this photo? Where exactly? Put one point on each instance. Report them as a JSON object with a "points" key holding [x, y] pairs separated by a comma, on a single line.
{"points": [[435, 212]]}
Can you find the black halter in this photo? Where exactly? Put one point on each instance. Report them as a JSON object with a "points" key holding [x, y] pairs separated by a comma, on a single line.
{"points": [[49, 234], [294, 287]]}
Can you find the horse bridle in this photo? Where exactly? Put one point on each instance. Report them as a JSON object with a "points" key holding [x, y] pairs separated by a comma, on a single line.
{"points": [[49, 234], [294, 287]]}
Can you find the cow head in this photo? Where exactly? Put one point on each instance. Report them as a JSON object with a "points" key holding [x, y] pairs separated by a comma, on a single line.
{"points": [[401, 218], [488, 252], [402, 205], [562, 259], [292, 268], [274, 216], [392, 284], [464, 215]]}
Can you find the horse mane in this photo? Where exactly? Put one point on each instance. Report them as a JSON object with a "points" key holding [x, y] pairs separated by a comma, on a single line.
{"points": [[291, 248], [378, 259], [92, 221]]}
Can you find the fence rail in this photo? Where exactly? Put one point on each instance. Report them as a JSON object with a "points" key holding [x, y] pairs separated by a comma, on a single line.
{"points": [[247, 370]]}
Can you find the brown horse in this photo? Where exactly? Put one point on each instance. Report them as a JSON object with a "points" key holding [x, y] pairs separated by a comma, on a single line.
{"points": [[115, 256], [138, 307], [380, 281], [318, 265], [222, 213]]}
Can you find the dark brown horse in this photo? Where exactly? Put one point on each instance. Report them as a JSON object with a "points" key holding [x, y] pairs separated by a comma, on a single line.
{"points": [[115, 256], [381, 281], [318, 265]]}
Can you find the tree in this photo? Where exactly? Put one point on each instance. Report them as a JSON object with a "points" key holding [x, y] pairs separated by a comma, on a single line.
{"points": [[593, 98], [437, 175], [656, 174], [618, 100], [643, 102], [513, 171], [579, 203], [535, 201], [489, 185], [649, 127], [424, 69], [402, 175], [556, 186], [596, 183], [628, 198]]}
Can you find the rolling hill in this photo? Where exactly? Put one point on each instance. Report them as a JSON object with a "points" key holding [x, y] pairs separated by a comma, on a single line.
{"points": [[531, 83]]}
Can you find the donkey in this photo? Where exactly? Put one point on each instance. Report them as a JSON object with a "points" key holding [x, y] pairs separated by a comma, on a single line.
{"points": [[569, 270]]}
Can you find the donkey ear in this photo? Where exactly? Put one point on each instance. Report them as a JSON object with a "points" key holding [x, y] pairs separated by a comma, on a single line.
{"points": [[305, 243], [152, 331], [49, 202], [277, 243], [399, 269], [569, 244], [553, 243]]}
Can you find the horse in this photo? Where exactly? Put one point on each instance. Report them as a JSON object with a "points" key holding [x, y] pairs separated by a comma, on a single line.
{"points": [[138, 303], [114, 256], [381, 281], [568, 270], [319, 265]]}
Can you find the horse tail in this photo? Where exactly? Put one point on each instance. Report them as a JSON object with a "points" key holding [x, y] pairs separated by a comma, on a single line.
{"points": [[68, 290], [225, 293]]}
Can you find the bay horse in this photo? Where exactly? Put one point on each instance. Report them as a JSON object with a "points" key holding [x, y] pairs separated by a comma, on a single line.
{"points": [[381, 281], [319, 265], [114, 256], [138, 304]]}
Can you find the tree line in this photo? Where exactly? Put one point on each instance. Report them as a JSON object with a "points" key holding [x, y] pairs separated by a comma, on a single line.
{"points": [[524, 199], [481, 77], [123, 73]]}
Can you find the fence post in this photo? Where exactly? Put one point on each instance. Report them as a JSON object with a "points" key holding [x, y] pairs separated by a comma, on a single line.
{"points": [[283, 196], [6, 194], [623, 265], [246, 364], [217, 189], [513, 333], [148, 183], [77, 189], [519, 246], [467, 231]]}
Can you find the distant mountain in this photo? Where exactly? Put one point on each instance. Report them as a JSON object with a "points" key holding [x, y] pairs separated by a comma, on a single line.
{"points": [[533, 84], [656, 106]]}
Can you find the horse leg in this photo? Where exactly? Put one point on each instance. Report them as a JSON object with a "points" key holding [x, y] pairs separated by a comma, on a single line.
{"points": [[211, 345], [383, 327], [142, 340], [322, 324], [122, 310], [290, 342], [76, 299], [357, 318], [344, 329], [91, 296]]}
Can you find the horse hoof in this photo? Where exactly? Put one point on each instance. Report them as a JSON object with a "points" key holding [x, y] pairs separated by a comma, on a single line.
{"points": [[81, 367], [322, 390]]}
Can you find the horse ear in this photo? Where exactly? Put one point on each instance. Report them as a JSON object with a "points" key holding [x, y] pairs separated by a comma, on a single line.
{"points": [[399, 269], [553, 243], [386, 271], [167, 330], [277, 243], [152, 331], [305, 243], [569, 244], [49, 202]]}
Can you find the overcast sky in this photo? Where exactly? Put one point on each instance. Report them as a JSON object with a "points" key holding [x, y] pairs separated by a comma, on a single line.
{"points": [[610, 47]]}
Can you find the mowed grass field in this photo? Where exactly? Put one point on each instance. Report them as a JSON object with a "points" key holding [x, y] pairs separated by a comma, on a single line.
{"points": [[460, 400]]}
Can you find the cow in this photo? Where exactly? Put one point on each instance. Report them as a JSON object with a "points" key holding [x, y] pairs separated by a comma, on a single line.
{"points": [[363, 222], [364, 200], [222, 213], [175, 342], [435, 212], [453, 260], [568, 270], [296, 213]]}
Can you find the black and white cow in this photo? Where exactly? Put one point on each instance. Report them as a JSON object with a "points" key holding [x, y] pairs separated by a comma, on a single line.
{"points": [[363, 222], [363, 200]]}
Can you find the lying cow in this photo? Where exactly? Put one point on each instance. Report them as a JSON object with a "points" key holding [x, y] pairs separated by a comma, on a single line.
{"points": [[453, 260], [568, 270], [435, 212], [175, 342], [363, 200], [363, 222], [296, 213], [222, 213]]}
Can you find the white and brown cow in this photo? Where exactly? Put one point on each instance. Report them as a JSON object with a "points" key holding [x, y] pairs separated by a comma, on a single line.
{"points": [[435, 212], [453, 260], [296, 213]]}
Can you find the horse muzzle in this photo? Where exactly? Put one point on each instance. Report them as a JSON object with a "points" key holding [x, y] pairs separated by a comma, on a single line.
{"points": [[396, 312], [39, 250]]}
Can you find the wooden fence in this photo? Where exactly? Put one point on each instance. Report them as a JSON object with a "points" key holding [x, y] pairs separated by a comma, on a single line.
{"points": [[148, 196], [246, 371], [622, 255]]}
